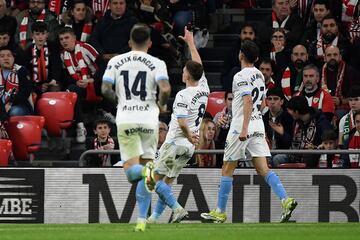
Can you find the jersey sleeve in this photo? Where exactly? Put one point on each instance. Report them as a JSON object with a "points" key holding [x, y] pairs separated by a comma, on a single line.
{"points": [[161, 72], [181, 105], [241, 85], [109, 75]]}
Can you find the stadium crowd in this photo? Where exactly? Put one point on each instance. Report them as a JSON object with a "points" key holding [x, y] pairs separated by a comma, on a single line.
{"points": [[309, 58]]}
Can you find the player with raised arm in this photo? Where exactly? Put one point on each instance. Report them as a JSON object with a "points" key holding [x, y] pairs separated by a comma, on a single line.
{"points": [[188, 111], [247, 132], [136, 76]]}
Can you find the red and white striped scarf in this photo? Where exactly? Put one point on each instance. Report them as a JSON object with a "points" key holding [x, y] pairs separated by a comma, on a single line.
{"points": [[316, 101], [348, 10], [40, 63], [100, 7], [81, 64], [86, 31], [10, 84], [339, 78], [275, 22], [273, 54], [24, 27], [321, 47], [105, 158], [354, 144], [285, 84]]}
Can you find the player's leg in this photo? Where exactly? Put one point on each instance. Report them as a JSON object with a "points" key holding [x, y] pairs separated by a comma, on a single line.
{"points": [[258, 149]]}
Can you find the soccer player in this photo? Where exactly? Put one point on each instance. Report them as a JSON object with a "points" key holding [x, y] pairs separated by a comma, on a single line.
{"points": [[136, 76], [188, 111], [247, 133]]}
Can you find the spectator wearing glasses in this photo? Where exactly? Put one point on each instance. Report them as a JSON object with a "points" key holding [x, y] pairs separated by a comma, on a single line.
{"points": [[37, 12], [279, 53]]}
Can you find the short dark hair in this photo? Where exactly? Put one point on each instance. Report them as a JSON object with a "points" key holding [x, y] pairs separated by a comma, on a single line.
{"points": [[140, 34], [250, 25], [4, 31], [268, 61], [354, 91], [312, 66], [330, 16], [275, 92], [355, 114], [227, 92], [101, 121], [195, 69], [39, 26], [299, 104], [66, 30], [74, 2], [322, 2], [329, 134], [250, 50], [7, 48]]}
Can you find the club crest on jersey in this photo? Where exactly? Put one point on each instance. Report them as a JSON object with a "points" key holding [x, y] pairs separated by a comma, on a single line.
{"points": [[182, 105], [316, 100], [242, 83]]}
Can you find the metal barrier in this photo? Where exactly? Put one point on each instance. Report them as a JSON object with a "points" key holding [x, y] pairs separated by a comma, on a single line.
{"points": [[221, 151]]}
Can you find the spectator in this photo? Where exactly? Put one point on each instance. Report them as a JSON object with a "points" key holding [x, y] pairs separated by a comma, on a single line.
{"points": [[321, 8], [207, 134], [37, 12], [80, 62], [282, 17], [102, 141], [43, 60], [309, 125], [15, 85], [353, 143], [278, 123], [291, 78], [7, 23], [347, 123], [163, 129], [329, 142], [337, 78], [99, 7], [329, 35], [3, 118], [222, 122], [279, 52], [112, 33], [232, 63], [18, 52], [317, 97], [355, 39], [266, 68], [80, 18]]}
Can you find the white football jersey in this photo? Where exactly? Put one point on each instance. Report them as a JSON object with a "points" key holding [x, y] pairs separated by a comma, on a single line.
{"points": [[135, 75], [249, 81], [190, 103]]}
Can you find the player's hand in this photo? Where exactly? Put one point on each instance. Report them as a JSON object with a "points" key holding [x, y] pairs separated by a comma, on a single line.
{"points": [[243, 135], [222, 121], [277, 127], [188, 36], [82, 83]]}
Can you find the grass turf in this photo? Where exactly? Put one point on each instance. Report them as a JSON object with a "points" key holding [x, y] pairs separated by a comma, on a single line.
{"points": [[291, 231]]}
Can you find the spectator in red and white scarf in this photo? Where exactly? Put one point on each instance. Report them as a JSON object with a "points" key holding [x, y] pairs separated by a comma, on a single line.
{"points": [[15, 85], [329, 35], [43, 60], [37, 12], [80, 18], [79, 59], [338, 77], [316, 96]]}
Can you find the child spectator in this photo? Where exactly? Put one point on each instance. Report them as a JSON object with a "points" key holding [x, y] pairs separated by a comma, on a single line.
{"points": [[207, 134], [353, 142], [102, 141], [329, 142]]}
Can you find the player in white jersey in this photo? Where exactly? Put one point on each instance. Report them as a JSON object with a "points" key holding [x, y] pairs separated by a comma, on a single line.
{"points": [[188, 111], [247, 133], [136, 75]]}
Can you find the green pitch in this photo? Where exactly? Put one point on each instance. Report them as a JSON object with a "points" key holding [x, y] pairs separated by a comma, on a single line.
{"points": [[291, 231]]}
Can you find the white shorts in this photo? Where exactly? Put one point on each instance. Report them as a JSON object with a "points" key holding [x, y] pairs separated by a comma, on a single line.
{"points": [[137, 140], [172, 158], [255, 145]]}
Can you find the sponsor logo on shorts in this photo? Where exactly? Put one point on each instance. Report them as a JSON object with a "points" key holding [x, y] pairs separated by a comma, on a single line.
{"points": [[138, 130], [256, 134]]}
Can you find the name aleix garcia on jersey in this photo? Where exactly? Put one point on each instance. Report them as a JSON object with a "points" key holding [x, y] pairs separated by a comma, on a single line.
{"points": [[135, 58]]}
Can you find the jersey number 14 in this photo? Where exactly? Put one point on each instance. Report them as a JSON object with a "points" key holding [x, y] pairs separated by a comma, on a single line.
{"points": [[139, 79]]}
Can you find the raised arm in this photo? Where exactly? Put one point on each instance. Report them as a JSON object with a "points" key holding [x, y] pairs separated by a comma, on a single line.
{"points": [[189, 39]]}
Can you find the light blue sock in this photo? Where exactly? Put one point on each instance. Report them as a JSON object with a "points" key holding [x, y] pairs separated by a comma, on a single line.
{"points": [[224, 190], [165, 193], [274, 182], [133, 173], [143, 197], [159, 208]]}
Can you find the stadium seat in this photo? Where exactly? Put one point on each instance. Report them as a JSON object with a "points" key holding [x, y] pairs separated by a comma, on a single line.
{"points": [[292, 165], [91, 94], [25, 134], [58, 110], [216, 102], [5, 151]]}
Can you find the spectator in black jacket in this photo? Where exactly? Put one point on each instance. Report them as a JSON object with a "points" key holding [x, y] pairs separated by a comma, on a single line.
{"points": [[309, 125], [7, 23], [278, 123]]}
